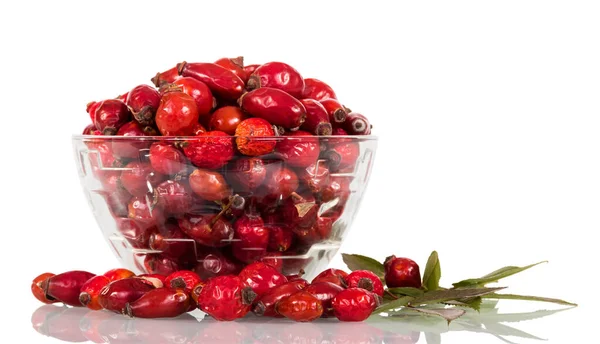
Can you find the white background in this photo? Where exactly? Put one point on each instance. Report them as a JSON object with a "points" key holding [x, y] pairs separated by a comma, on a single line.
{"points": [[487, 113]]}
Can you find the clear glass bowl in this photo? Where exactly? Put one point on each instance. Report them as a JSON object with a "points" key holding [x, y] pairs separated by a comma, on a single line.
{"points": [[161, 222]]}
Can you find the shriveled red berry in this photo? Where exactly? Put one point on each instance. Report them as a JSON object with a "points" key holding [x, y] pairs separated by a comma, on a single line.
{"points": [[251, 238], [281, 181], [110, 115], [402, 272], [319, 231], [247, 173], [325, 292], [252, 137], [301, 306], [129, 148], [280, 238], [200, 92], [234, 64], [208, 230], [261, 277], [317, 120], [90, 292], [275, 106], [159, 303], [165, 77], [265, 306], [300, 211], [225, 298], [249, 69], [274, 259], [91, 130], [365, 279], [144, 211], [159, 264], [37, 288], [209, 185], [317, 89], [336, 111], [342, 155], [155, 280], [354, 304], [115, 295], [139, 177], [226, 119], [357, 124], [216, 263], [174, 197], [339, 132], [136, 232], [65, 287], [337, 188], [211, 150], [90, 108], [315, 176], [339, 274], [277, 75], [143, 101], [177, 114], [221, 81], [166, 159], [299, 148], [183, 279], [117, 274], [172, 242]]}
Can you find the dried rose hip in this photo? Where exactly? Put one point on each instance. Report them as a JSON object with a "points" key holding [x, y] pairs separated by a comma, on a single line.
{"points": [[159, 303], [325, 292], [317, 90], [225, 298], [110, 115], [215, 263], [299, 148], [301, 306], [143, 101], [154, 280], [209, 185], [37, 288], [226, 119], [402, 272], [336, 111], [316, 176], [365, 279], [65, 287], [91, 130], [280, 238], [166, 159], [177, 114], [90, 292], [252, 137], [117, 274], [211, 150], [300, 211], [277, 75], [115, 295], [137, 178], [159, 264], [172, 242], [337, 188], [357, 124], [317, 119], [198, 90], [208, 230], [261, 277], [274, 259], [252, 238], [249, 69], [319, 231], [281, 181], [166, 77], [354, 304], [265, 306], [342, 155], [337, 273], [275, 106], [129, 148], [248, 173], [183, 279], [144, 212], [173, 197], [221, 81], [339, 132], [236, 65], [136, 232]]}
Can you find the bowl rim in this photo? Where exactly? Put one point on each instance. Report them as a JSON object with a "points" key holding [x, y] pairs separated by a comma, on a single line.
{"points": [[178, 138]]}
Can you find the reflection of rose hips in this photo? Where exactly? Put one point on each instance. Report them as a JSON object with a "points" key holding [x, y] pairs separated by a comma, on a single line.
{"points": [[402, 272], [354, 304], [301, 306], [261, 277], [251, 135], [211, 150], [227, 119], [365, 279], [176, 114], [225, 298]]}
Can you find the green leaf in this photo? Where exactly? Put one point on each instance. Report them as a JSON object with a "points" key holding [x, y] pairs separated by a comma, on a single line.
{"points": [[395, 304], [407, 291], [359, 262], [447, 313], [439, 296], [527, 298], [473, 303], [433, 272], [494, 276]]}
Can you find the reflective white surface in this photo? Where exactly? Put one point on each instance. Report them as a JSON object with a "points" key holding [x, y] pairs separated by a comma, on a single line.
{"points": [[488, 326]]}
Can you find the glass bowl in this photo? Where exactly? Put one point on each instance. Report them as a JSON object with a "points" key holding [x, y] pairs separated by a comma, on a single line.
{"points": [[160, 213]]}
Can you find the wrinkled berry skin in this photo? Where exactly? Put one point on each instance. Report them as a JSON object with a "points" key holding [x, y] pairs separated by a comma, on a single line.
{"points": [[317, 120], [317, 90], [299, 211], [266, 304], [200, 92], [177, 114], [159, 303], [275, 106], [325, 292], [38, 291], [357, 124], [135, 232], [365, 279], [209, 185], [299, 148], [252, 137], [342, 155], [339, 276], [315, 176], [252, 238], [301, 306], [136, 176], [90, 292], [225, 298], [210, 150], [261, 277], [234, 64], [281, 182], [354, 304], [110, 115], [277, 75], [280, 238], [159, 264], [117, 274], [166, 77], [166, 159], [66, 287], [199, 228], [115, 295], [173, 197], [215, 263], [247, 173], [129, 148], [402, 272], [143, 101], [221, 81], [336, 111]]}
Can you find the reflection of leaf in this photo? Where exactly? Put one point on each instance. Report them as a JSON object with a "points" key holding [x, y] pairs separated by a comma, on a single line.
{"points": [[359, 262], [493, 276], [406, 291], [433, 272], [528, 298], [491, 317], [433, 338], [438, 296], [395, 304], [447, 313], [504, 330]]}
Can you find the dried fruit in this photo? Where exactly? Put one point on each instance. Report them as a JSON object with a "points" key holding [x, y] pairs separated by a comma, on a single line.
{"points": [[277, 75], [159, 303], [317, 120], [154, 280], [143, 101], [281, 181], [183, 279], [209, 185], [342, 155], [173, 197], [90, 292], [357, 124], [166, 77], [315, 176], [354, 304], [166, 159], [365, 279], [317, 90], [159, 264], [402, 272], [300, 211], [117, 274], [201, 93], [209, 230], [110, 115], [336, 111], [221, 81], [37, 288], [325, 292], [265, 306], [177, 114], [236, 65], [65, 287], [301, 306], [211, 150], [129, 148], [115, 295], [299, 148], [247, 173], [261, 277], [339, 277], [138, 178], [225, 298], [253, 137], [249, 69], [280, 238], [226, 119], [275, 106]]}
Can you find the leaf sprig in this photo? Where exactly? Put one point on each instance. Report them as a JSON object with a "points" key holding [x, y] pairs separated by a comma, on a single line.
{"points": [[467, 293]]}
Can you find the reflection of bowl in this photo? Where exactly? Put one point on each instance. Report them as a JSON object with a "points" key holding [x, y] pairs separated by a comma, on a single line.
{"points": [[186, 217]]}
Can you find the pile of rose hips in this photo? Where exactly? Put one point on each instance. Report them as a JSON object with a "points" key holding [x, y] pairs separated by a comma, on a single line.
{"points": [[259, 288], [254, 165]]}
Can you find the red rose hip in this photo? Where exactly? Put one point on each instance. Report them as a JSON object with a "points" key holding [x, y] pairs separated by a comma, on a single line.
{"points": [[37, 288], [275, 106], [402, 272], [115, 295], [251, 137], [357, 124], [354, 304], [177, 114], [66, 287], [251, 238], [299, 148], [166, 159], [336, 111], [248, 173], [211, 150], [234, 64], [159, 303], [183, 279], [281, 182], [143, 101], [265, 306], [366, 280], [277, 75], [110, 115], [166, 77], [225, 298], [209, 185], [220, 80], [261, 277], [118, 274], [201, 93], [226, 119], [325, 292], [90, 292], [301, 306], [317, 119], [317, 90]]}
